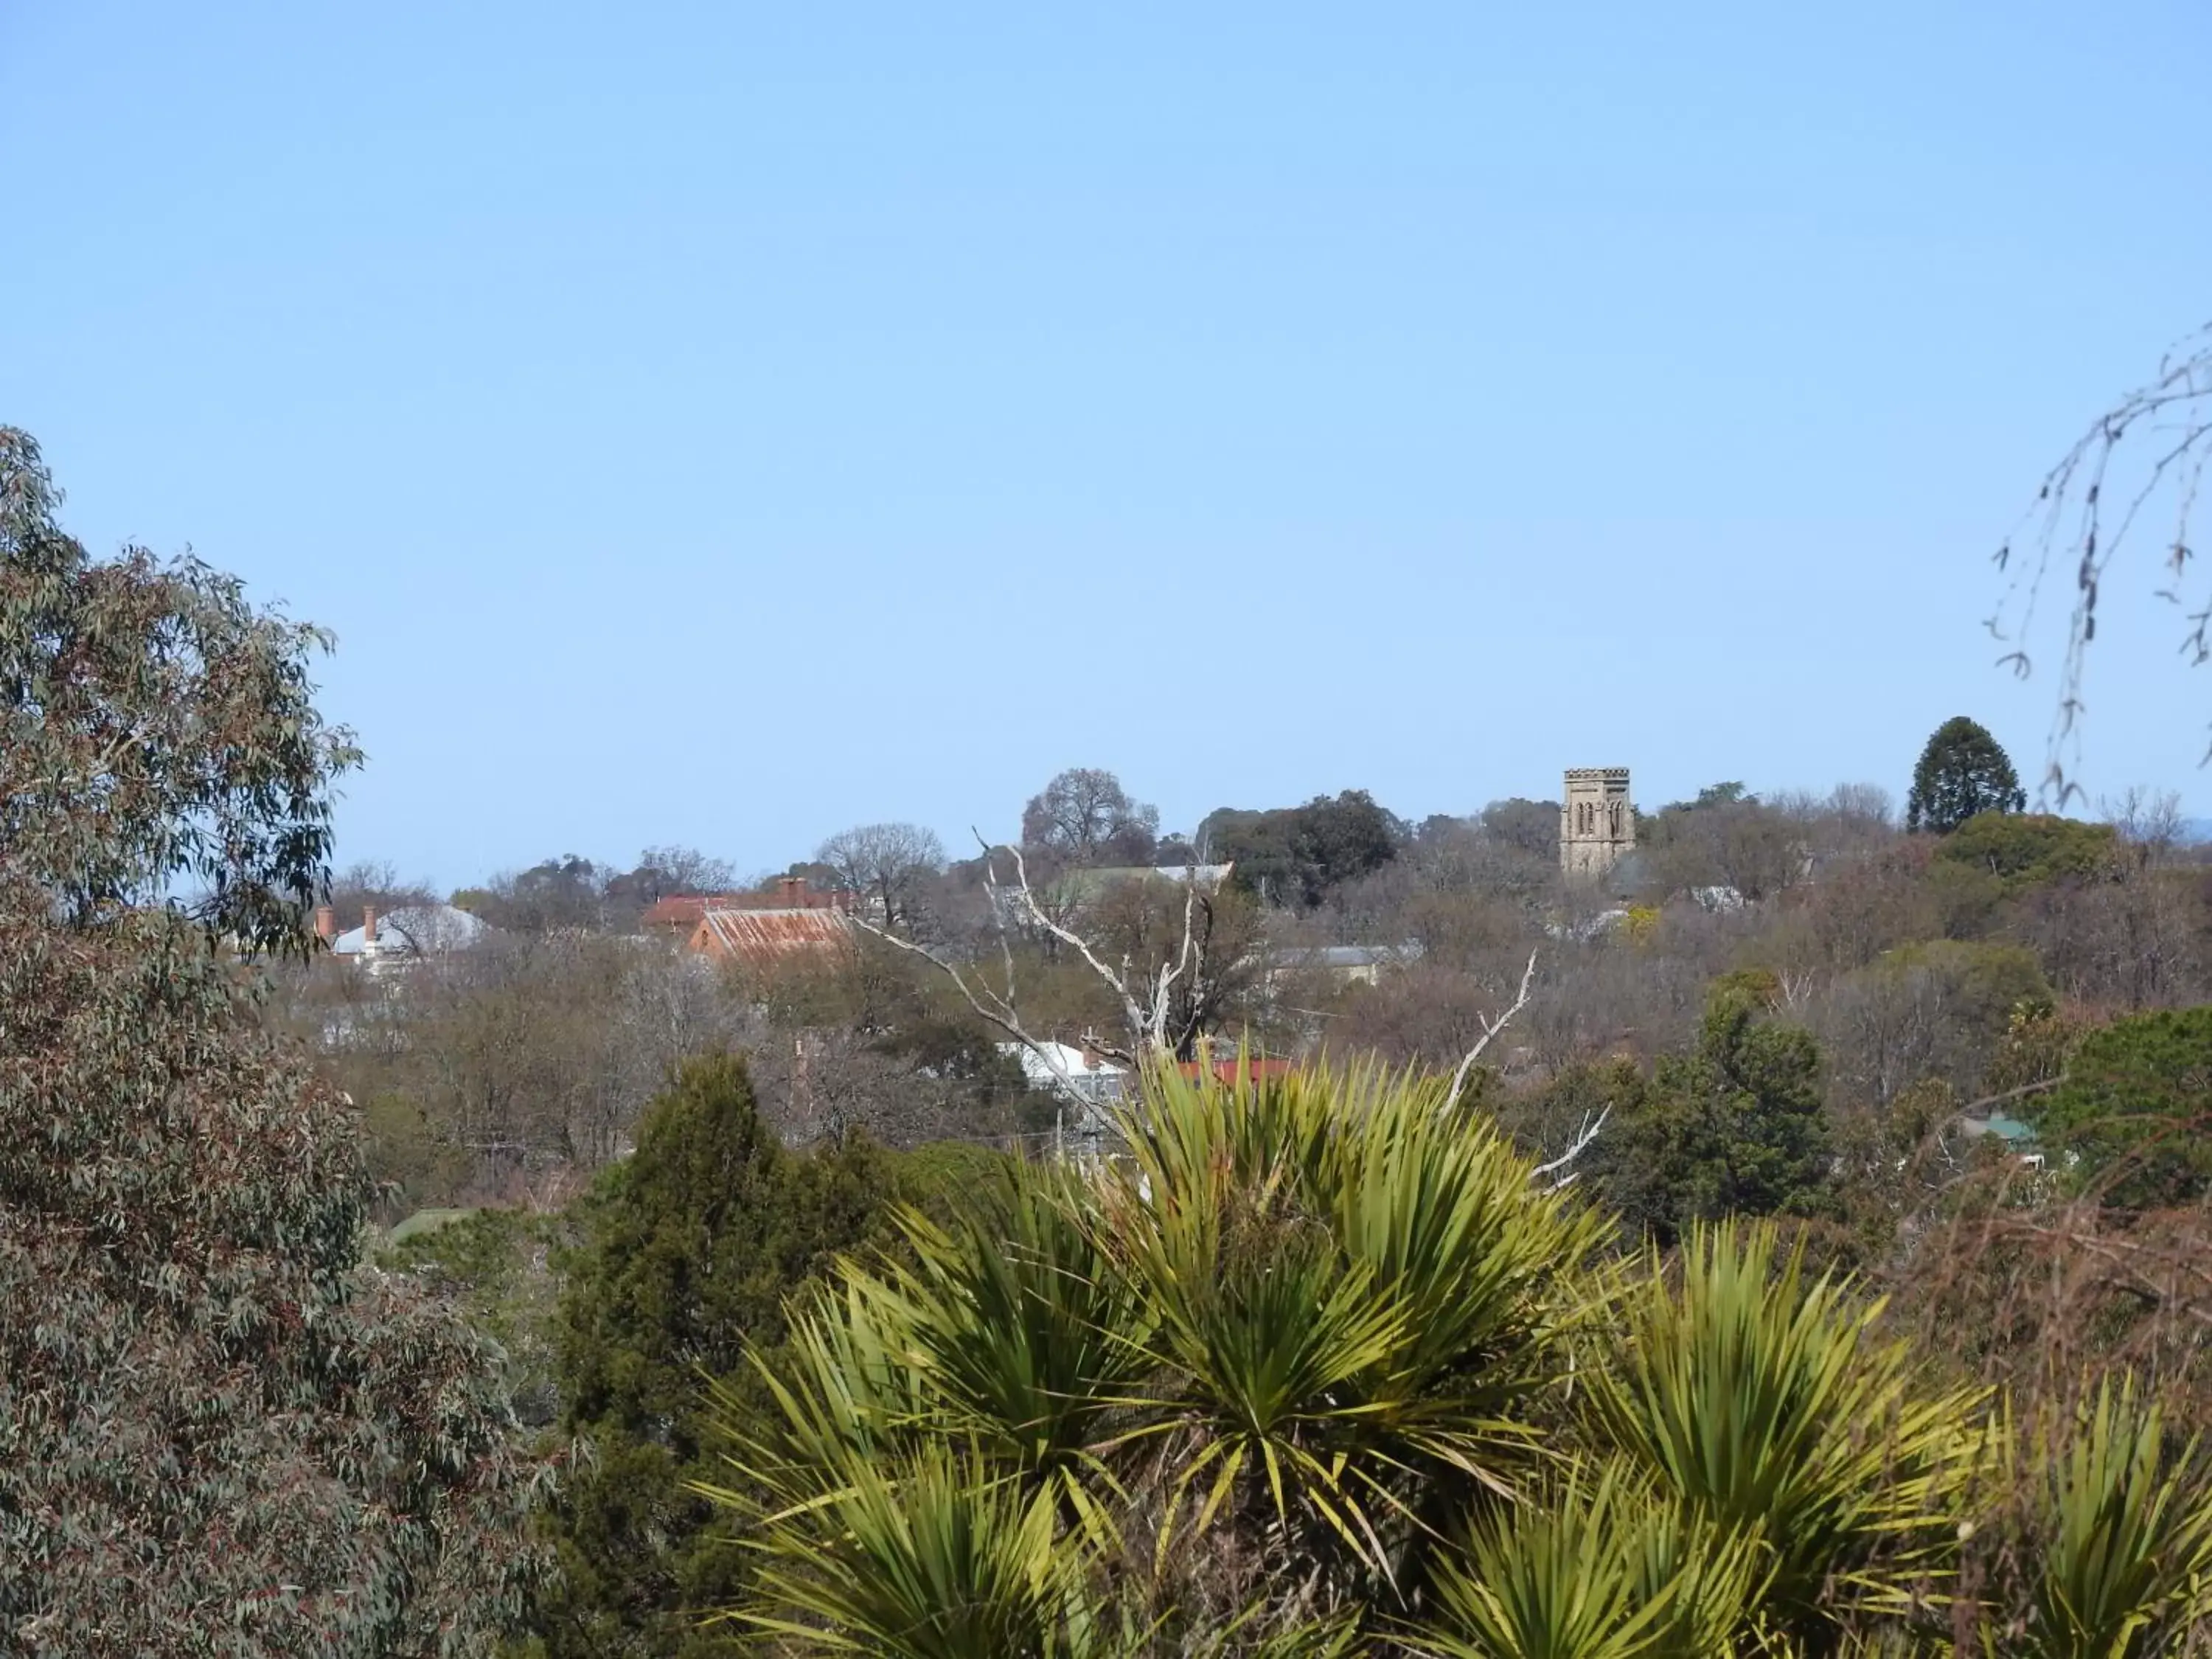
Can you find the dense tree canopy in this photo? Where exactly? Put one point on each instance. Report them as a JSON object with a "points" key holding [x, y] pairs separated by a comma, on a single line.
{"points": [[155, 729], [1733, 1127], [1297, 856], [1963, 771], [2027, 849], [219, 1432], [2133, 1113], [689, 1251]]}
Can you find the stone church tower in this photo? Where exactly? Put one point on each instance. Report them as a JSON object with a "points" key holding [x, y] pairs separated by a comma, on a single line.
{"points": [[1597, 825]]}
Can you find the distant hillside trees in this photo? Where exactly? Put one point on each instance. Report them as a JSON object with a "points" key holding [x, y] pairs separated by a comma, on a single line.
{"points": [[1296, 856], [889, 865], [2022, 850], [1530, 826]]}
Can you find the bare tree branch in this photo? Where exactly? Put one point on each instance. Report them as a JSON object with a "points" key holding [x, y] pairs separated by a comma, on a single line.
{"points": [[1147, 1026], [2069, 521], [986, 1003], [1491, 1028], [1167, 978], [1576, 1148], [1131, 1010]]}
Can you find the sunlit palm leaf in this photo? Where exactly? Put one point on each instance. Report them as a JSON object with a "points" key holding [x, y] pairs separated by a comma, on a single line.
{"points": [[929, 1554], [1767, 1404], [1352, 1293], [1596, 1569], [2125, 1563]]}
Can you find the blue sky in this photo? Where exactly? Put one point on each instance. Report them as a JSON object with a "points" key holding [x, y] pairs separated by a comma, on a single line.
{"points": [[725, 424]]}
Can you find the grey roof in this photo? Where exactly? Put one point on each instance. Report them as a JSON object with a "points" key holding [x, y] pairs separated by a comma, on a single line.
{"points": [[1362, 956], [420, 929], [1347, 956]]}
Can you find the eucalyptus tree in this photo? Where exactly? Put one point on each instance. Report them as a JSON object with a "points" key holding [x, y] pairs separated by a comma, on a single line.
{"points": [[219, 1432]]}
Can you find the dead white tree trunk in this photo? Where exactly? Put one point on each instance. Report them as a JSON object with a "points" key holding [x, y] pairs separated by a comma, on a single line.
{"points": [[1562, 1167], [1144, 1000], [1491, 1028]]}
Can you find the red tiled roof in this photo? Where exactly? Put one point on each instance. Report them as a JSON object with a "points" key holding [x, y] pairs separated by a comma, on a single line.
{"points": [[759, 937]]}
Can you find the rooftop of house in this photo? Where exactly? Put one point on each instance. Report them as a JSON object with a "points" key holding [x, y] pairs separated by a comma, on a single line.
{"points": [[2002, 1125], [761, 935], [1060, 1059], [1346, 957], [683, 911], [412, 929], [687, 910]]}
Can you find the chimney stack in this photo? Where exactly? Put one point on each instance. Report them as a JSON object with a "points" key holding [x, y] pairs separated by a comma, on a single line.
{"points": [[367, 926], [326, 923], [794, 892]]}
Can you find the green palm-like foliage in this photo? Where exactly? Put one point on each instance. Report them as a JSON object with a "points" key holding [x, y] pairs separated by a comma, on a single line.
{"points": [[1022, 1335], [1596, 1569], [1314, 1318], [2124, 1564], [930, 1553], [1771, 1407], [1355, 1297], [1318, 1368]]}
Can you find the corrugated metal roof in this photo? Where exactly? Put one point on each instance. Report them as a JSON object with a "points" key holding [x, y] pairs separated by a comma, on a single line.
{"points": [[682, 910], [764, 936], [420, 929]]}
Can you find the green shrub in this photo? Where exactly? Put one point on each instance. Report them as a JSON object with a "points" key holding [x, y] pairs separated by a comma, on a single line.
{"points": [[2029, 849], [2132, 1119], [686, 1254]]}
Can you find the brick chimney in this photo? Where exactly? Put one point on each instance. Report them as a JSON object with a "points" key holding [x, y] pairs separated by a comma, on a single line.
{"points": [[326, 923], [794, 892], [367, 926]]}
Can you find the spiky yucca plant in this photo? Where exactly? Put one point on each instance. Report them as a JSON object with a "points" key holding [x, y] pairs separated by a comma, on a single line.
{"points": [[1320, 1369], [1356, 1302], [1770, 1404], [2119, 1547], [1300, 1327], [1597, 1568]]}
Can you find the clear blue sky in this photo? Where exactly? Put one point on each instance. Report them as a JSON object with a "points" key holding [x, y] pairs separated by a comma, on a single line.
{"points": [[726, 423]]}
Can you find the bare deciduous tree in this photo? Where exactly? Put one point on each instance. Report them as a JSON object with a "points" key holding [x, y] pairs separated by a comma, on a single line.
{"points": [[377, 883], [1085, 816], [1145, 998], [890, 865]]}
